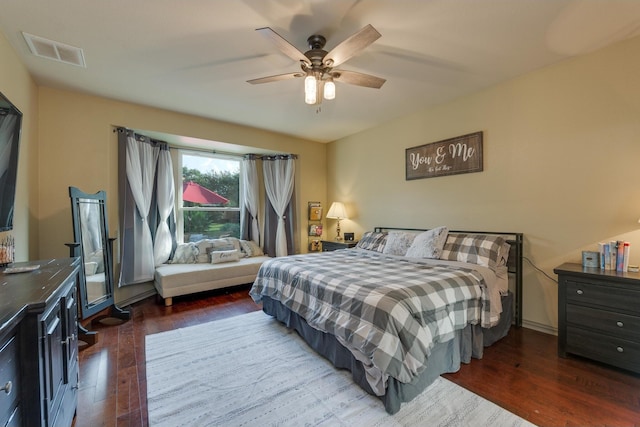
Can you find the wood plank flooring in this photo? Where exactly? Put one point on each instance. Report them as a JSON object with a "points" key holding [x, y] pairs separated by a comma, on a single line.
{"points": [[521, 373]]}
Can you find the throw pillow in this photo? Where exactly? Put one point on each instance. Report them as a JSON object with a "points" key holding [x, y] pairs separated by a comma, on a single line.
{"points": [[98, 258], [478, 249], [218, 257], [429, 244], [186, 253], [372, 241], [398, 243], [90, 268], [250, 248], [203, 245]]}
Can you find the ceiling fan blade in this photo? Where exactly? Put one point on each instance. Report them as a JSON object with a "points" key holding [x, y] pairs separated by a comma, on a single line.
{"points": [[351, 46], [285, 47], [275, 78], [358, 79]]}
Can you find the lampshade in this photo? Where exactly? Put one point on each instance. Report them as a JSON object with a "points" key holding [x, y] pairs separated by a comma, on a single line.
{"points": [[337, 210], [329, 89], [310, 89]]}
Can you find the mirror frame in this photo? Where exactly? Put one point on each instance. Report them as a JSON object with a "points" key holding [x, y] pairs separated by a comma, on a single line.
{"points": [[77, 196]]}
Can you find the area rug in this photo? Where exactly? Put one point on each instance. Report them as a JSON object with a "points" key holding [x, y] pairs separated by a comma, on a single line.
{"points": [[249, 370]]}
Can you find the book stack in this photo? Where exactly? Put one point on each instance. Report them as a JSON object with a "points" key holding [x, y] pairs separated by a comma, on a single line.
{"points": [[614, 255]]}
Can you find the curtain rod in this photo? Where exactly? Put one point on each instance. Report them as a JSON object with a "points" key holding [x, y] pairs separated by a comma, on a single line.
{"points": [[203, 150]]}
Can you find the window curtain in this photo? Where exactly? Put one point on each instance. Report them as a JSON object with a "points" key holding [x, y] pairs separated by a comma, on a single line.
{"points": [[279, 177], [165, 190], [145, 197], [249, 215]]}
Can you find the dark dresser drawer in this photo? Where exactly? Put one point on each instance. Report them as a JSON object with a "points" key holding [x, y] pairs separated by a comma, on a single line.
{"points": [[604, 348], [9, 380], [609, 322], [618, 299], [599, 315]]}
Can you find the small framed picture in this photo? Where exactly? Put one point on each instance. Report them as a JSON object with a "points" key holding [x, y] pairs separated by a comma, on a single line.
{"points": [[315, 230], [348, 237], [315, 211]]}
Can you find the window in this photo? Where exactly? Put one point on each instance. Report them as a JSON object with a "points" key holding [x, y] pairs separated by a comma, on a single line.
{"points": [[210, 204]]}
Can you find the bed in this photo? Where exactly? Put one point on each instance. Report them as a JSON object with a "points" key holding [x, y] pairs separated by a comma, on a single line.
{"points": [[402, 307]]}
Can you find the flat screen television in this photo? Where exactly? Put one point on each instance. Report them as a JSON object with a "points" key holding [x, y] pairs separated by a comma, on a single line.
{"points": [[10, 126]]}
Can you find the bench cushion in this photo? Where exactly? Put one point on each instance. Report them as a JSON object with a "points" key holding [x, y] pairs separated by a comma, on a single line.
{"points": [[180, 279]]}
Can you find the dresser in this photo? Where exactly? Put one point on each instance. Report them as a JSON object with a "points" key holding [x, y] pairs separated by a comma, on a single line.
{"points": [[38, 344], [599, 315], [332, 245]]}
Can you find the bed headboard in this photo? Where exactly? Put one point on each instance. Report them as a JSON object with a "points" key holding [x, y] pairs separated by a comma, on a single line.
{"points": [[514, 262]]}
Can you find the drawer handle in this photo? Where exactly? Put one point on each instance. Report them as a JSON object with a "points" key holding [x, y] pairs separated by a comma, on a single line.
{"points": [[620, 350], [579, 292], [7, 387], [620, 324]]}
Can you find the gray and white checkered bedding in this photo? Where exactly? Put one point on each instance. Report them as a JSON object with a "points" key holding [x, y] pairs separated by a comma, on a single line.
{"points": [[392, 309]]}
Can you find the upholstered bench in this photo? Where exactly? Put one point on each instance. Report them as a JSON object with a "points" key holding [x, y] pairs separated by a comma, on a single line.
{"points": [[173, 280], [206, 265]]}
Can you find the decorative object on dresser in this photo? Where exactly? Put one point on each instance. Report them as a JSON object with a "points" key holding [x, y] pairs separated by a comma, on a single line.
{"points": [[337, 211], [38, 344], [349, 237], [329, 245], [599, 315], [95, 248]]}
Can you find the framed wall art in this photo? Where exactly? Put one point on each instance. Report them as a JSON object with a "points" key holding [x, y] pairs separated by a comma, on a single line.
{"points": [[462, 154]]}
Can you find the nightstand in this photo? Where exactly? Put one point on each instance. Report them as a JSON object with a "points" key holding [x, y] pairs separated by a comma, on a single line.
{"points": [[599, 315], [332, 245]]}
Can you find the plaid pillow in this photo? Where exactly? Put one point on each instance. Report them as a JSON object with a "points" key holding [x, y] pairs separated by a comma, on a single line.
{"points": [[481, 249], [373, 241]]}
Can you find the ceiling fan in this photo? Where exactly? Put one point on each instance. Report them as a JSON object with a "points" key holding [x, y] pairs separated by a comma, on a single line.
{"points": [[318, 65]]}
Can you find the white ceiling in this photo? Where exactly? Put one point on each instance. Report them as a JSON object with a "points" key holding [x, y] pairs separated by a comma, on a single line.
{"points": [[195, 56]]}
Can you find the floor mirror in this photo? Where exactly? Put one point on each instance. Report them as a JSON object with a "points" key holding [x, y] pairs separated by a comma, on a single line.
{"points": [[94, 246]]}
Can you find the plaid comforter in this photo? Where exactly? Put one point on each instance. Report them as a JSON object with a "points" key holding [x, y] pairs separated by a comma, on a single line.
{"points": [[390, 309]]}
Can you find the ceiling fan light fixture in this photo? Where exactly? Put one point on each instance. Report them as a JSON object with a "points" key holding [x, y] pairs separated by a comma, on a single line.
{"points": [[329, 89], [310, 89]]}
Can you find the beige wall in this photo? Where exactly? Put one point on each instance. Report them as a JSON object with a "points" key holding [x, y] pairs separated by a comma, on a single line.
{"points": [[16, 84], [79, 148], [561, 154]]}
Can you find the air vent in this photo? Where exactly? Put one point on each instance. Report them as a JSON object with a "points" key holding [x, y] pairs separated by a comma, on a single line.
{"points": [[56, 51]]}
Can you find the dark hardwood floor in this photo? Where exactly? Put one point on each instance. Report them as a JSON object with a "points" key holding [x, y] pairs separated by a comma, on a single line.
{"points": [[521, 373]]}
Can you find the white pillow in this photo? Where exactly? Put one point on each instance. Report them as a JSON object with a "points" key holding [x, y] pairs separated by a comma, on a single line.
{"points": [[90, 268], [218, 257], [250, 248], [233, 241], [186, 253], [428, 244], [398, 243], [202, 246]]}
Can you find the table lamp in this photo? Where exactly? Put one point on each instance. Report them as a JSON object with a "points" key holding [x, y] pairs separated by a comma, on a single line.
{"points": [[337, 211]]}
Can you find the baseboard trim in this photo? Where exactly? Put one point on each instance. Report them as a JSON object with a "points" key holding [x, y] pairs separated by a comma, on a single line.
{"points": [[529, 324], [136, 298]]}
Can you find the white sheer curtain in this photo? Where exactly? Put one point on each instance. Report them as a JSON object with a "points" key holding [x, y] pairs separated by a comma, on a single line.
{"points": [[141, 168], [279, 176], [251, 198], [165, 198]]}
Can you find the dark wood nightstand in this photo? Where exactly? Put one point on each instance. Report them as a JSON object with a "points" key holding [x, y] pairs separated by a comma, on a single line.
{"points": [[599, 315], [332, 245]]}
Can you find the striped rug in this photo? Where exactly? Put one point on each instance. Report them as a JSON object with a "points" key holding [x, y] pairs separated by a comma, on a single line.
{"points": [[249, 370]]}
